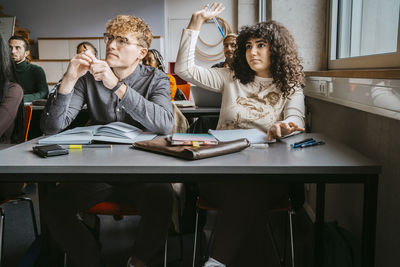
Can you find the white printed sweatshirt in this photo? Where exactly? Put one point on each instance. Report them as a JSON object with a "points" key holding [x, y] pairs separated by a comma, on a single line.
{"points": [[259, 101]]}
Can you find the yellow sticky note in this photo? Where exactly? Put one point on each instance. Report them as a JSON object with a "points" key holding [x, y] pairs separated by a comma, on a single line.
{"points": [[195, 144]]}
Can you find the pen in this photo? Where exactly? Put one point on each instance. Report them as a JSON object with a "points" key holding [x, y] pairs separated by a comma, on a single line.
{"points": [[301, 142], [216, 22], [304, 143], [84, 46], [89, 146], [312, 144]]}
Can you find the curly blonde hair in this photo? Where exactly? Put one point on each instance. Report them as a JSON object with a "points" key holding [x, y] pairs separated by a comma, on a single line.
{"points": [[286, 68], [124, 24]]}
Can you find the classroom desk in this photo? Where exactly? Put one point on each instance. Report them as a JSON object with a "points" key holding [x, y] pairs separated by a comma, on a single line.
{"points": [[329, 163]]}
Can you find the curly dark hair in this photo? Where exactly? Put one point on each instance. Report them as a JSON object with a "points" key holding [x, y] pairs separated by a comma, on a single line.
{"points": [[286, 69]]}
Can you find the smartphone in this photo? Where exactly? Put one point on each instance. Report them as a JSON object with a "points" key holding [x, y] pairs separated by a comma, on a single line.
{"points": [[49, 150]]}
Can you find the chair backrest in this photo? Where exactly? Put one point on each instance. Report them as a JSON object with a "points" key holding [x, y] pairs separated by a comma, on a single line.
{"points": [[185, 88], [28, 117]]}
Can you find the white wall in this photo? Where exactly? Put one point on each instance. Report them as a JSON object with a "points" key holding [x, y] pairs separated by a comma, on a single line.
{"points": [[77, 18], [305, 19]]}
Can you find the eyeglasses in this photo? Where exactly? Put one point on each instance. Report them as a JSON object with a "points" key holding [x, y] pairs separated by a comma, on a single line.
{"points": [[119, 40]]}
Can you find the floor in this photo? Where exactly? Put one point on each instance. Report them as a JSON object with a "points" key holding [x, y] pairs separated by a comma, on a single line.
{"points": [[116, 237]]}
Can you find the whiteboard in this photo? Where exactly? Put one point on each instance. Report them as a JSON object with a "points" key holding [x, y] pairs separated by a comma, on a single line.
{"points": [[7, 25]]}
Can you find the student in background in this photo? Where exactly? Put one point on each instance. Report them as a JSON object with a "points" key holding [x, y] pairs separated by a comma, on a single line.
{"points": [[155, 60], [83, 46], [117, 89], [31, 77], [11, 111], [229, 51], [264, 86]]}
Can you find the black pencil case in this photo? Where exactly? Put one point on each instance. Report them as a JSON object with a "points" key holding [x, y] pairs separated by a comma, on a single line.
{"points": [[49, 150]]}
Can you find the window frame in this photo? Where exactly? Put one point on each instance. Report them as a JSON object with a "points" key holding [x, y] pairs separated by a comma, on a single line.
{"points": [[387, 60]]}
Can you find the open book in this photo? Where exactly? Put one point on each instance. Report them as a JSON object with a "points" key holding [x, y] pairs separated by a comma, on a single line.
{"points": [[114, 132]]}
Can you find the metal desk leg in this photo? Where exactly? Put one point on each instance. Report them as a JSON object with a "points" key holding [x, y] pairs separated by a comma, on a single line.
{"points": [[50, 254], [319, 226], [369, 221]]}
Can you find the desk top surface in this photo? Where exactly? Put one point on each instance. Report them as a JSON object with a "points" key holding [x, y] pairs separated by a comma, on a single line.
{"points": [[278, 158]]}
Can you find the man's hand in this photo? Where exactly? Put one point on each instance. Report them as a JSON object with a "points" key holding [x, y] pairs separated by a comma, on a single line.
{"points": [[101, 71], [78, 66], [282, 129]]}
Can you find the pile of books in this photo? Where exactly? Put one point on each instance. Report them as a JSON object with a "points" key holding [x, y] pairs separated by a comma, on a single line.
{"points": [[189, 139]]}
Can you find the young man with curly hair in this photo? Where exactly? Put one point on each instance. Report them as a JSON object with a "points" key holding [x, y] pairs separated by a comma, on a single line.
{"points": [[117, 89], [264, 86]]}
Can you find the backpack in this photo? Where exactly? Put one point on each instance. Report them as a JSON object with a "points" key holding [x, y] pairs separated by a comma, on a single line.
{"points": [[341, 247]]}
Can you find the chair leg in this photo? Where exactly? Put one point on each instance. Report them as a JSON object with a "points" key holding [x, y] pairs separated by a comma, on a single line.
{"points": [[2, 217], [165, 252], [274, 243], [291, 235], [195, 237]]}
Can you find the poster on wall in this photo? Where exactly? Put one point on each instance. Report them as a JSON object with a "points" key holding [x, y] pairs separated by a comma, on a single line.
{"points": [[7, 25]]}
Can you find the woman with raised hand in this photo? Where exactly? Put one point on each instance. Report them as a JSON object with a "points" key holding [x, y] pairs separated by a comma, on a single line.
{"points": [[264, 87]]}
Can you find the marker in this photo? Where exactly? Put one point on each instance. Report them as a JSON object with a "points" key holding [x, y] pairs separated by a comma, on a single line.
{"points": [[313, 144], [216, 22], [304, 143], [89, 146]]}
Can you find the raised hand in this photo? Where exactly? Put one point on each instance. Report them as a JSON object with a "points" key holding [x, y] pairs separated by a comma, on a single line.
{"points": [[208, 12]]}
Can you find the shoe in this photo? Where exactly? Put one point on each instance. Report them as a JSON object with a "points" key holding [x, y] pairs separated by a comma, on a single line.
{"points": [[213, 263], [128, 264]]}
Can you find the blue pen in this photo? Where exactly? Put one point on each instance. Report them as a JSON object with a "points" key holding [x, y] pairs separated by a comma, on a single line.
{"points": [[312, 144], [305, 142], [216, 22]]}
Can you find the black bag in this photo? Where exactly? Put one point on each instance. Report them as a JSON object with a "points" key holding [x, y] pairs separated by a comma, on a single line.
{"points": [[341, 247]]}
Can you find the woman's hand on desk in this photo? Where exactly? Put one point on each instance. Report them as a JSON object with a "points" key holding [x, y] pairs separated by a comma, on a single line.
{"points": [[281, 129]]}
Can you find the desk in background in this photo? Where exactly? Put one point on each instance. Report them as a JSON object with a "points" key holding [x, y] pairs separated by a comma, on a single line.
{"points": [[330, 163]]}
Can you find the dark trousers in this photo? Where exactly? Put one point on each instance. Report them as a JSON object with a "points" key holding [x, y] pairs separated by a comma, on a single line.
{"points": [[8, 190], [240, 231], [60, 209]]}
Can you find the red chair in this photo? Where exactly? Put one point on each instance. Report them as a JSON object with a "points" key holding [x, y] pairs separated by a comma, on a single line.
{"points": [[28, 117], [185, 88], [118, 210]]}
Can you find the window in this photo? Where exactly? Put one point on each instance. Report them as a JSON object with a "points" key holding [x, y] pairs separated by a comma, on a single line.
{"points": [[364, 34]]}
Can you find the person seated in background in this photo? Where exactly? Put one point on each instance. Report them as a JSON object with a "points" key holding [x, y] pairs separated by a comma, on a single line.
{"points": [[117, 89], [11, 112], [31, 77], [229, 51], [83, 46], [264, 86], [155, 60]]}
